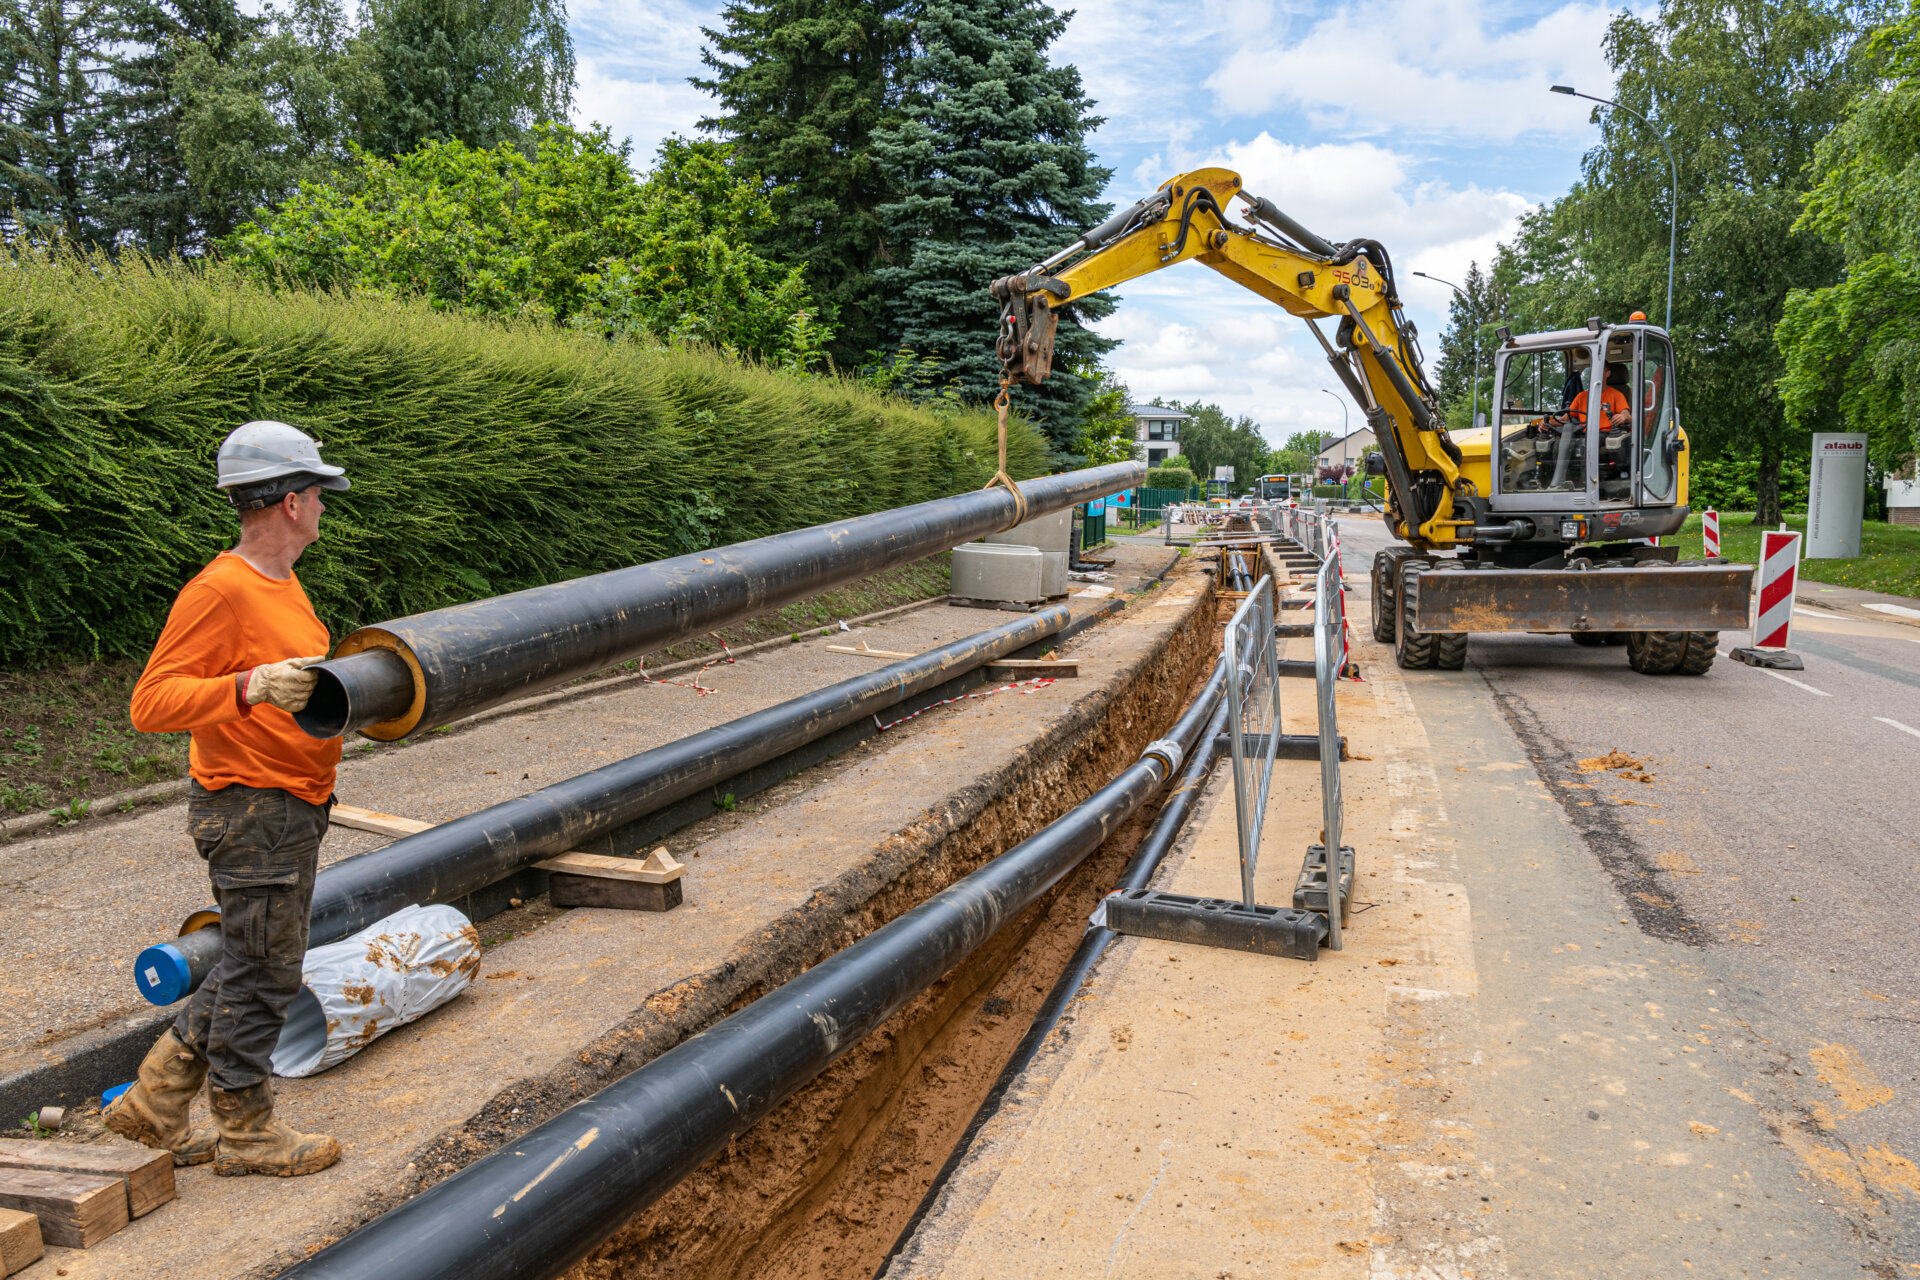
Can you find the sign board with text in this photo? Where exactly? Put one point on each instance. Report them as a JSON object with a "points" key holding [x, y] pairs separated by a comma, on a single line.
{"points": [[1836, 495]]}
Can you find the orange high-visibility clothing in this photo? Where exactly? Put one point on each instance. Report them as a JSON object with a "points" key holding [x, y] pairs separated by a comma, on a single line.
{"points": [[230, 619]]}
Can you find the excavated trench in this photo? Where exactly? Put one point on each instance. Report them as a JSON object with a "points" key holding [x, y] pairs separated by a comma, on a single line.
{"points": [[824, 1186]]}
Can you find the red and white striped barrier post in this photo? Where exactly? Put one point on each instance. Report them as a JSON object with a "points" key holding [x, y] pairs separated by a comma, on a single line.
{"points": [[1773, 610], [1710, 533]]}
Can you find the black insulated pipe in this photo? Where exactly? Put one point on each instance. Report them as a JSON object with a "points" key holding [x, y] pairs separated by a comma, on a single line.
{"points": [[470, 657], [1139, 873], [533, 1209], [448, 862]]}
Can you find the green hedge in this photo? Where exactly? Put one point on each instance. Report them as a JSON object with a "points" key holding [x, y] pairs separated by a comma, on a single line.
{"points": [[1169, 478], [484, 457]]}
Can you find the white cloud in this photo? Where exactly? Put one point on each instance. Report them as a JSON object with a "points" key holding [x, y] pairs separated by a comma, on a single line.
{"points": [[1190, 334], [1435, 67], [645, 110]]}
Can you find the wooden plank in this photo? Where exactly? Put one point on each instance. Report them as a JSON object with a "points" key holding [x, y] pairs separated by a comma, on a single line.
{"points": [[1058, 667], [659, 867], [387, 824], [148, 1173], [604, 891], [861, 651], [76, 1210], [20, 1243]]}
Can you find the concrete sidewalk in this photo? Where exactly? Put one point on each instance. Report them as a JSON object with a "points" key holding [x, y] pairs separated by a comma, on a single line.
{"points": [[1500, 1076]]}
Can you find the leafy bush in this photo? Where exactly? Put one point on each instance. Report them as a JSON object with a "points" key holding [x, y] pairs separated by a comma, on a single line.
{"points": [[486, 456], [1726, 484], [567, 233], [1169, 477]]}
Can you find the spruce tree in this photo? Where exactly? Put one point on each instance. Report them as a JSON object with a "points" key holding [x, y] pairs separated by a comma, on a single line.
{"points": [[480, 72], [802, 85], [146, 194], [50, 117], [994, 174]]}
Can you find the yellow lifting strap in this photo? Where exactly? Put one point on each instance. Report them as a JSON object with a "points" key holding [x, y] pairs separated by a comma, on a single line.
{"points": [[1000, 477]]}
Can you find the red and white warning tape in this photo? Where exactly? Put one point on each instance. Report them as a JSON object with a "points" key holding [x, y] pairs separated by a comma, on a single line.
{"points": [[1023, 686], [726, 655], [1779, 574]]}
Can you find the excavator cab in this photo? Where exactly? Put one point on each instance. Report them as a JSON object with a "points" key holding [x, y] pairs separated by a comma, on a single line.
{"points": [[1585, 426]]}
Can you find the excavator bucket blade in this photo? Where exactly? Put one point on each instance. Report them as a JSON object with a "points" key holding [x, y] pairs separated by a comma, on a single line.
{"points": [[1663, 598]]}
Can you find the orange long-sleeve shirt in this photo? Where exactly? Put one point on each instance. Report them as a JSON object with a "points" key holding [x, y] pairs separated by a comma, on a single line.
{"points": [[232, 618]]}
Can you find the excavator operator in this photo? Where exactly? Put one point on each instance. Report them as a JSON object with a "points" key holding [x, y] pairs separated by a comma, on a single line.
{"points": [[1613, 400]]}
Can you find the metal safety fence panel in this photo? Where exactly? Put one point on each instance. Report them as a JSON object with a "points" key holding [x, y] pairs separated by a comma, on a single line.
{"points": [[1329, 663], [1253, 713]]}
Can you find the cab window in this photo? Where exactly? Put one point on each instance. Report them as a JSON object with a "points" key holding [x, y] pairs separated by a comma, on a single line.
{"points": [[1542, 447], [1659, 426]]}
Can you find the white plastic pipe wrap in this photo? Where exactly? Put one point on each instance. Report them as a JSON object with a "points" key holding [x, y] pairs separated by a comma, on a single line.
{"points": [[362, 987]]}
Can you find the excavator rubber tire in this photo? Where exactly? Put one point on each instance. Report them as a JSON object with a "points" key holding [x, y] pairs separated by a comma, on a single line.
{"points": [[1411, 650], [1702, 648], [1656, 653], [1450, 647], [1383, 616]]}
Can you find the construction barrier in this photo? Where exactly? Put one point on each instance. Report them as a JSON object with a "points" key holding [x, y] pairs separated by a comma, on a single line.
{"points": [[1779, 576], [1710, 534], [1253, 718]]}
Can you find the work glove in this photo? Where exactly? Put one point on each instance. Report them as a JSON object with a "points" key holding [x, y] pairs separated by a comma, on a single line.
{"points": [[287, 685]]}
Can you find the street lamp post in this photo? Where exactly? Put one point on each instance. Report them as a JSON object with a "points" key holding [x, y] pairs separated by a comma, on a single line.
{"points": [[1673, 206], [1478, 321], [1344, 433]]}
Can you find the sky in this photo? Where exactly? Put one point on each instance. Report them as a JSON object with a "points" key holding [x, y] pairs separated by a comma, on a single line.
{"points": [[1424, 124]]}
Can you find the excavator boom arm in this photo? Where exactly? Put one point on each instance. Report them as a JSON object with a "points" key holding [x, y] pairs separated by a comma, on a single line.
{"points": [[1373, 351]]}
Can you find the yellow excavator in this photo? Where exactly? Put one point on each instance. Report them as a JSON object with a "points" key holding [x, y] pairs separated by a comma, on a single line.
{"points": [[1541, 520]]}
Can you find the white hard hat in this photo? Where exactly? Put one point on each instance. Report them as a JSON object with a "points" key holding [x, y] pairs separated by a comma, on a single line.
{"points": [[263, 451]]}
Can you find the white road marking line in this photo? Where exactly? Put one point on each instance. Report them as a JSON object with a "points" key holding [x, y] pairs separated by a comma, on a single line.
{"points": [[1795, 683], [1897, 610], [1904, 728]]}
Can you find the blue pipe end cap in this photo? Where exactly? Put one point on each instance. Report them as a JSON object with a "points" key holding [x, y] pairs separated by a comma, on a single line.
{"points": [[161, 974], [112, 1095]]}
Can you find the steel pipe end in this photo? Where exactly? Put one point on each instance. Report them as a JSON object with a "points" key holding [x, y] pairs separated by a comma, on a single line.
{"points": [[356, 692]]}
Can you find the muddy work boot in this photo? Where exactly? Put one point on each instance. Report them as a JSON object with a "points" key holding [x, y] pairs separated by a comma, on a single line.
{"points": [[155, 1110], [252, 1141]]}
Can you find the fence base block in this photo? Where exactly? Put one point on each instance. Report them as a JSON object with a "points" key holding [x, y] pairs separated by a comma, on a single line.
{"points": [[1773, 659], [1310, 894], [1216, 922], [1292, 746]]}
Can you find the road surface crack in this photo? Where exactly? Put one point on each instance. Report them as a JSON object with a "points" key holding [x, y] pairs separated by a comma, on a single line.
{"points": [[1653, 904]]}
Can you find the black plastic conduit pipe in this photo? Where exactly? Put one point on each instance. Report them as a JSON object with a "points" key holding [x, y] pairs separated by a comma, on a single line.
{"points": [[411, 674], [447, 862], [533, 1209], [1138, 874]]}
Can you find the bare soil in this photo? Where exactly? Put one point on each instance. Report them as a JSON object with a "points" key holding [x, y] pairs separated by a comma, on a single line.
{"points": [[66, 739], [824, 1186]]}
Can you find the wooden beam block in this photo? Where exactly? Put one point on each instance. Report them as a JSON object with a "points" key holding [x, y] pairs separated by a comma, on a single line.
{"points": [[1062, 667], [147, 1173], [387, 824], [20, 1243], [627, 884], [861, 651], [76, 1210]]}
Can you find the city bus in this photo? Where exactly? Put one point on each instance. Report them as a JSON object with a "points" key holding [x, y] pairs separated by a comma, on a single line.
{"points": [[1272, 489]]}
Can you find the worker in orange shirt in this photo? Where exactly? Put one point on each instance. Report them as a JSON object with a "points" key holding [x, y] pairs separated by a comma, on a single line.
{"points": [[1613, 401], [230, 668]]}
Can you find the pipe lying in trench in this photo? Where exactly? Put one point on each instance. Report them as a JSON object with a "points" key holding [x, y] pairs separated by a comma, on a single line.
{"points": [[448, 862], [1138, 874], [411, 674], [536, 1207]]}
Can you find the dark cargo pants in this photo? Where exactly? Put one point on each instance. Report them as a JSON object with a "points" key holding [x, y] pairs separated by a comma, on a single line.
{"points": [[262, 848]]}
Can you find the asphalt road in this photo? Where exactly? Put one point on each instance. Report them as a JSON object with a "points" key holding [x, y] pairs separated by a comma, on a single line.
{"points": [[1770, 828]]}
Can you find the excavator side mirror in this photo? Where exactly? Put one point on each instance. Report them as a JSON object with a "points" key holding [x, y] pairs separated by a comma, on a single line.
{"points": [[1027, 325], [1376, 464]]}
